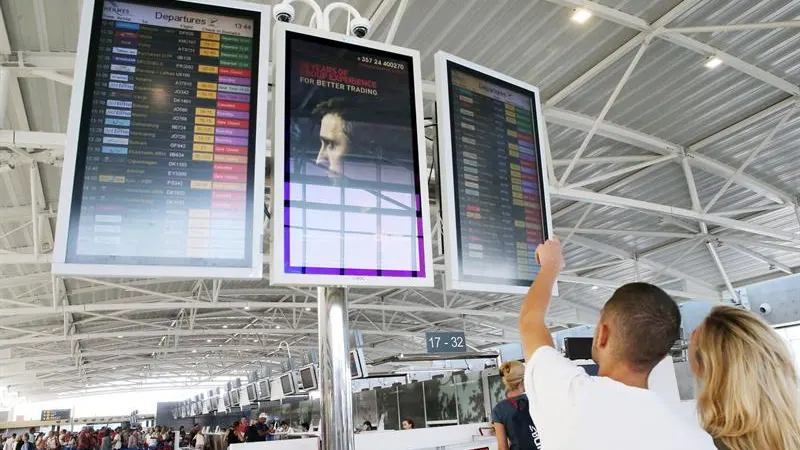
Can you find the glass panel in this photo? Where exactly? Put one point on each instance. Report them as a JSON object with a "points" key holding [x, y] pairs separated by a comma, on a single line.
{"points": [[411, 404], [387, 404], [440, 399], [304, 413], [497, 392], [469, 394], [316, 413], [365, 407]]}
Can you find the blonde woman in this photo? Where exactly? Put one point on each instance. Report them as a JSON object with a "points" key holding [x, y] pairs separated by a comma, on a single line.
{"points": [[511, 418], [748, 397]]}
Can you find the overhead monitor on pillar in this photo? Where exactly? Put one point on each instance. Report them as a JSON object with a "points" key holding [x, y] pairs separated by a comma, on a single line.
{"points": [[165, 155], [495, 203], [350, 193]]}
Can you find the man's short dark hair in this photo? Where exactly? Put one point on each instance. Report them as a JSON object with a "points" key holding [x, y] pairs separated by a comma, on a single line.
{"points": [[340, 107], [646, 320]]}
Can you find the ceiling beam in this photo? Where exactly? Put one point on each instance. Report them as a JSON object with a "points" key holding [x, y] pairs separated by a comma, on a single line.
{"points": [[734, 27], [255, 305], [613, 284], [652, 265], [211, 332], [641, 140], [628, 203], [636, 23]]}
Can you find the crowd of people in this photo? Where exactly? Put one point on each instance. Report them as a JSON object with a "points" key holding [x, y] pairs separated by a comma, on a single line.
{"points": [[258, 430], [90, 439], [748, 387]]}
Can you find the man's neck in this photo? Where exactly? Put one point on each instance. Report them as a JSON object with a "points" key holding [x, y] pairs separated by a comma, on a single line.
{"points": [[623, 373]]}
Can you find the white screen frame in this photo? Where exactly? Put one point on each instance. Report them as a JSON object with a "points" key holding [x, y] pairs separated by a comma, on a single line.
{"points": [[266, 382], [357, 355], [313, 371], [59, 264], [453, 279], [277, 274], [290, 376]]}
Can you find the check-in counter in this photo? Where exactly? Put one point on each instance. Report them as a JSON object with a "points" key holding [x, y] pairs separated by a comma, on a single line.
{"points": [[215, 441], [457, 437]]}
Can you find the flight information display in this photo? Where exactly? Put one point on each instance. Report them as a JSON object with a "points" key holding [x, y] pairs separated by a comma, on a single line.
{"points": [[497, 207], [350, 198], [165, 168]]}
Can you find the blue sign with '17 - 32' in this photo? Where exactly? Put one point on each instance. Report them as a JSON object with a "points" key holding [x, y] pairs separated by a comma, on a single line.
{"points": [[446, 341]]}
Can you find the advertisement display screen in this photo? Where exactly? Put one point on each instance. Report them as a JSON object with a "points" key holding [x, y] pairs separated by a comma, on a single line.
{"points": [[167, 166], [350, 200], [494, 186]]}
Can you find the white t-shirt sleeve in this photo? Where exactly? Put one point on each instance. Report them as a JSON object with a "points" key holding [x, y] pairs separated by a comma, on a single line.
{"points": [[554, 387]]}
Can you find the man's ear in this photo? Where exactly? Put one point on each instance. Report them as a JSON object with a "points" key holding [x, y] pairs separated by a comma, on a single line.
{"points": [[603, 334]]}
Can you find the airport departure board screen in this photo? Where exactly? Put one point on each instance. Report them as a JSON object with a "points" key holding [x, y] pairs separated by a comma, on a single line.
{"points": [[498, 186], [166, 154], [352, 195]]}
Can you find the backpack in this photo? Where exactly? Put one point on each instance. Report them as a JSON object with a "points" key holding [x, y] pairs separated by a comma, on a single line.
{"points": [[522, 431]]}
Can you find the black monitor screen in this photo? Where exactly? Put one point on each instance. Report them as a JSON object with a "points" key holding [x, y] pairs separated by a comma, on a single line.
{"points": [[354, 366], [578, 347], [287, 384], [264, 390], [308, 378]]}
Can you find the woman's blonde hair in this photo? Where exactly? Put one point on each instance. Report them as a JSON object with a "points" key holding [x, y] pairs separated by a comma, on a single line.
{"points": [[748, 384], [513, 373]]}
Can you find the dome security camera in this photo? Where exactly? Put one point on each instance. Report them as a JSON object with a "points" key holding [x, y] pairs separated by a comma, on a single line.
{"points": [[360, 27], [765, 309], [283, 12]]}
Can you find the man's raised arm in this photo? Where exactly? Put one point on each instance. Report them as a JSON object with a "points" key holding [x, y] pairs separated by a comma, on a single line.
{"points": [[532, 326]]}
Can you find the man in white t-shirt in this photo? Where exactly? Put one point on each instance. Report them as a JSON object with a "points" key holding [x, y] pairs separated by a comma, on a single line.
{"points": [[615, 410]]}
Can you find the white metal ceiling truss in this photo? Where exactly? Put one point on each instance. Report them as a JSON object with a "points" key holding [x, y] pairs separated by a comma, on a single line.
{"points": [[79, 333]]}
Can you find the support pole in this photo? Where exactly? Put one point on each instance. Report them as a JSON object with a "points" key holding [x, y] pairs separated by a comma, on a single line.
{"points": [[5, 78], [334, 368], [34, 209]]}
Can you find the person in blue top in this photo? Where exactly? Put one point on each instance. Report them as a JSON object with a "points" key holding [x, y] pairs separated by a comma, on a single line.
{"points": [[511, 419]]}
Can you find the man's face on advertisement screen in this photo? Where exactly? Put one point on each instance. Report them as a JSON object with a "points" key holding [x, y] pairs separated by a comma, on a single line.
{"points": [[334, 144]]}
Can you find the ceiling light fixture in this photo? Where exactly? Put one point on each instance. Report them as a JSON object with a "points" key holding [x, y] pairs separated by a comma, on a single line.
{"points": [[225, 326], [308, 309], [194, 351], [713, 62], [120, 337], [277, 326], [208, 340], [581, 15], [247, 308], [594, 288], [255, 340]]}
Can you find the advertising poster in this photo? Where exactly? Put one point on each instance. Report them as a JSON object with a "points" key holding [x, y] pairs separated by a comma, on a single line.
{"points": [[353, 202]]}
